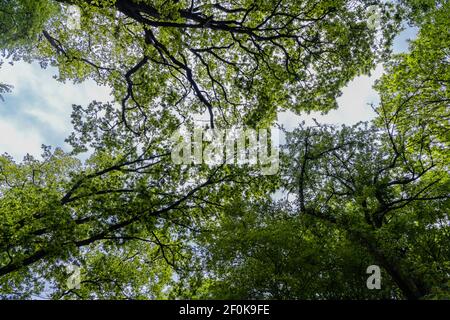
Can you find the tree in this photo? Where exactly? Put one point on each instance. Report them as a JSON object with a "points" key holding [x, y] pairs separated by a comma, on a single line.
{"points": [[265, 250], [379, 192], [353, 197], [22, 20], [125, 216], [140, 226], [239, 61], [166, 62], [389, 200], [414, 92]]}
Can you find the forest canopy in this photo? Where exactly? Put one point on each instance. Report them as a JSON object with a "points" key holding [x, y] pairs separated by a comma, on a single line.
{"points": [[139, 226]]}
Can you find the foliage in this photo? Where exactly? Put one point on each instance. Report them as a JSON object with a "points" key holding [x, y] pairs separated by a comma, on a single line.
{"points": [[351, 199], [268, 252], [4, 88], [138, 226], [238, 61], [415, 97], [22, 20]]}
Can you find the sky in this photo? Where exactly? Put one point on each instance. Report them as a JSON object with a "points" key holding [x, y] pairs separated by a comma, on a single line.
{"points": [[354, 103], [38, 109]]}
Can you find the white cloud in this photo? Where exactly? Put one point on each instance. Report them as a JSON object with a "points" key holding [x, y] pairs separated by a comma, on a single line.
{"points": [[353, 105], [47, 102], [19, 141]]}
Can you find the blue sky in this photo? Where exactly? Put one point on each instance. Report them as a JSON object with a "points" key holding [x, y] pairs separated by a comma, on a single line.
{"points": [[38, 110]]}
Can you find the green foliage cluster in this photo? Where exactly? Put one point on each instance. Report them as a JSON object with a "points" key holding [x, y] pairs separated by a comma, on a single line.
{"points": [[22, 20], [141, 227]]}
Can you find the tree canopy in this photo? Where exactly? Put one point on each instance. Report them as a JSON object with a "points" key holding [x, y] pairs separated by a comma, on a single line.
{"points": [[142, 227]]}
